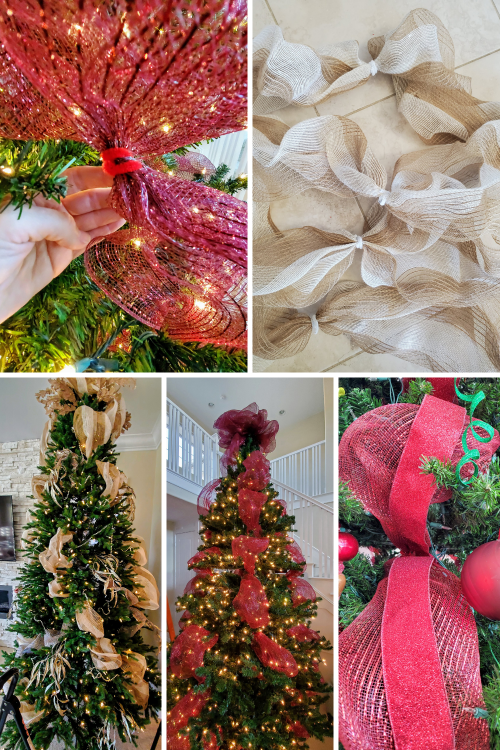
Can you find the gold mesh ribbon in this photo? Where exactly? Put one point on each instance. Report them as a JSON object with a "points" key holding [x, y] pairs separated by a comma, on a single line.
{"points": [[89, 621], [135, 666], [92, 429], [105, 656], [147, 591], [30, 713], [113, 477], [140, 555], [419, 54], [430, 260], [52, 558]]}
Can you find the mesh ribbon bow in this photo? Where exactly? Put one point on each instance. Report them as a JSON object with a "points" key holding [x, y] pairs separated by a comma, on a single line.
{"points": [[410, 661]]}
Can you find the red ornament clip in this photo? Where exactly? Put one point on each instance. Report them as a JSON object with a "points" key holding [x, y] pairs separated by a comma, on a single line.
{"points": [[110, 165]]}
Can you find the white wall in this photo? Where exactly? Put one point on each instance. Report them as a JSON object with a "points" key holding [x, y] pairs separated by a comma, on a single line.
{"points": [[300, 435]]}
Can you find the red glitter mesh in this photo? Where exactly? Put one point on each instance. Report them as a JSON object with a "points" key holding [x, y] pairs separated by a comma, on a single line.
{"points": [[443, 388], [295, 552], [303, 633], [236, 424], [189, 707], [251, 602], [148, 77], [301, 590], [274, 656], [257, 474], [191, 586], [211, 743], [199, 556], [188, 651], [250, 504], [364, 719], [371, 448], [371, 649], [247, 547], [207, 497], [299, 730], [192, 164]]}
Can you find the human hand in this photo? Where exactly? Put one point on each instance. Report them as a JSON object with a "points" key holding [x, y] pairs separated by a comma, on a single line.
{"points": [[42, 243]]}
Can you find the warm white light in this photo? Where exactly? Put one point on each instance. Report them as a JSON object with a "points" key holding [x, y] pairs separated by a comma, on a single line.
{"points": [[200, 304], [166, 128], [7, 170], [137, 243]]}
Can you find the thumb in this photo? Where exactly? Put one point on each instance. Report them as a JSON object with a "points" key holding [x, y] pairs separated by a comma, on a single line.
{"points": [[38, 223]]}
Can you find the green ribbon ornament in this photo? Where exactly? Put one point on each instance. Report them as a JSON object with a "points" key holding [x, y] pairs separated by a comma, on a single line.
{"points": [[471, 456]]}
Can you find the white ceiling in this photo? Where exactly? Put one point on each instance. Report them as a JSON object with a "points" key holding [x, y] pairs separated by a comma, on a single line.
{"points": [[23, 418], [299, 397]]}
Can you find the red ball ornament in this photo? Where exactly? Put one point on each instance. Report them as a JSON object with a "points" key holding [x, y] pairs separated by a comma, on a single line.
{"points": [[481, 579], [348, 546]]}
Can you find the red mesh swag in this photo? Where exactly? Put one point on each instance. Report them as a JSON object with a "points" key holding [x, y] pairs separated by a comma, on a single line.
{"points": [[302, 633], [301, 590], [189, 707], [295, 552], [251, 602], [257, 472], [250, 504], [409, 664], [188, 651], [247, 547], [211, 743], [236, 424], [192, 586], [144, 78], [373, 444], [207, 497], [199, 556], [192, 164], [274, 656], [299, 730]]}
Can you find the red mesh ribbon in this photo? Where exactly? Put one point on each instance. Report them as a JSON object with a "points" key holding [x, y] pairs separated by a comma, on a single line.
{"points": [[301, 590], [188, 651], [274, 656], [194, 163], [251, 602], [302, 633], [189, 707], [257, 472], [235, 425], [247, 547], [250, 504], [147, 78], [299, 730], [191, 586], [199, 556], [444, 388], [207, 497], [409, 664], [211, 742], [295, 552]]}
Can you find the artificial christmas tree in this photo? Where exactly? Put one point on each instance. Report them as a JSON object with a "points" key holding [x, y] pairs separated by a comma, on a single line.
{"points": [[244, 672], [87, 675], [433, 662]]}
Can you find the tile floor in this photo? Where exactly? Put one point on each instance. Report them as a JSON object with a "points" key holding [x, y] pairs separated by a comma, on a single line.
{"points": [[475, 29]]}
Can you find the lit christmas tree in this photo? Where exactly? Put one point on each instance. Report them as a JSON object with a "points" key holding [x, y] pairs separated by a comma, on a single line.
{"points": [[86, 675], [244, 672]]}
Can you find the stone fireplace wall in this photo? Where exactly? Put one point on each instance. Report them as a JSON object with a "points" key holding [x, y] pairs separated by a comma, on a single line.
{"points": [[18, 464]]}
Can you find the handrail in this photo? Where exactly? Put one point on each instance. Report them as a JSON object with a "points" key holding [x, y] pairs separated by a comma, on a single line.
{"points": [[301, 495], [321, 594], [169, 400], [300, 450]]}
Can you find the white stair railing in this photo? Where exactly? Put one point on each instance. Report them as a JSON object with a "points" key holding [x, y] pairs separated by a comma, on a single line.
{"points": [[313, 528], [304, 470], [191, 452]]}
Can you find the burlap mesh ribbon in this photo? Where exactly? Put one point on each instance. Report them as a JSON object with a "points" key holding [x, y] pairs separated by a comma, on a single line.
{"points": [[430, 245], [409, 664]]}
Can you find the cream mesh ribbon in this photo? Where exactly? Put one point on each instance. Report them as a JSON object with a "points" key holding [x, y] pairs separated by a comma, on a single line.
{"points": [[430, 250], [419, 54]]}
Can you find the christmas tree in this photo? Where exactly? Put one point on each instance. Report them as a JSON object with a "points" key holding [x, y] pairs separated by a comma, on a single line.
{"points": [[244, 671], [86, 674], [463, 518]]}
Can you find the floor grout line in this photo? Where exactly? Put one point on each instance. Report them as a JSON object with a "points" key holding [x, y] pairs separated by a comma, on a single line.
{"points": [[391, 96], [342, 361], [493, 52], [271, 12], [497, 10]]}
